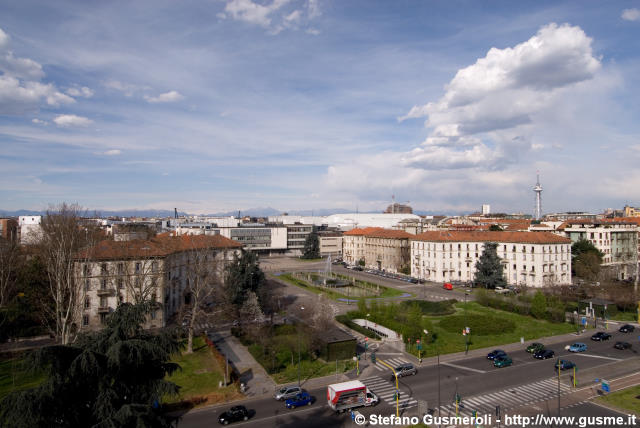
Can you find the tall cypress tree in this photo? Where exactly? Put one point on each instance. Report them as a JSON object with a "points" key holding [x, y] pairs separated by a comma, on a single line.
{"points": [[111, 378], [489, 269]]}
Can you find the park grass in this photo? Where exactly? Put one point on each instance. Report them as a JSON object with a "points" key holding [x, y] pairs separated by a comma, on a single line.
{"points": [[626, 399], [14, 376], [200, 375], [526, 327], [387, 292], [310, 369]]}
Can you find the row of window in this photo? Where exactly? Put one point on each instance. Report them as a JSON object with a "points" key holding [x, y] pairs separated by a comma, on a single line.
{"points": [[120, 268]]}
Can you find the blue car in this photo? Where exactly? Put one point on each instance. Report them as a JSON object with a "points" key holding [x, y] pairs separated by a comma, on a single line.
{"points": [[578, 347], [496, 353], [302, 399]]}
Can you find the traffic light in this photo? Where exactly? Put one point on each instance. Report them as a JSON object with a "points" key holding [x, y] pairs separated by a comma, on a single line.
{"points": [[373, 357]]}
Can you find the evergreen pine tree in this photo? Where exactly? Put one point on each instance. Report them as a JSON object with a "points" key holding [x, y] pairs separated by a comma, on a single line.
{"points": [[243, 275], [489, 269], [311, 246], [111, 378]]}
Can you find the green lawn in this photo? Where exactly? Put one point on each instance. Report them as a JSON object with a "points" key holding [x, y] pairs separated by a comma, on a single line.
{"points": [[523, 326], [334, 295], [311, 369], [14, 377], [200, 374], [626, 399]]}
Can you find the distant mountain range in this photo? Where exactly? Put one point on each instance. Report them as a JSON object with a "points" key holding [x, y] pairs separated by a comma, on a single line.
{"points": [[252, 212]]}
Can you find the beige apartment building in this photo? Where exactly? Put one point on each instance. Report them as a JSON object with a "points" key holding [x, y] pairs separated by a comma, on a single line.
{"points": [[382, 249], [533, 259], [330, 244], [158, 269]]}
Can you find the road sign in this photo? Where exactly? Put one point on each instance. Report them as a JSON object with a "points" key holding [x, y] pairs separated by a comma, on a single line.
{"points": [[584, 320], [605, 386], [419, 346]]}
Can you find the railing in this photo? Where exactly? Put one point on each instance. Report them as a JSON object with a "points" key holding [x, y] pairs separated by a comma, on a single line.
{"points": [[106, 292]]}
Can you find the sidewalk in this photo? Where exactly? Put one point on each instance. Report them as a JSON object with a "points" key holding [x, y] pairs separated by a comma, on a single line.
{"points": [[252, 374]]}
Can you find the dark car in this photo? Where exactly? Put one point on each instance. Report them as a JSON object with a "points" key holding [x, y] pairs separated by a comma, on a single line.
{"points": [[627, 328], [622, 345], [535, 347], [601, 335], [564, 364], [234, 414], [496, 353], [544, 354], [503, 361]]}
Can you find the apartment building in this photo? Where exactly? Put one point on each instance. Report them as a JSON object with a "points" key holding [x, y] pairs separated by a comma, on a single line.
{"points": [[330, 244], [114, 272], [534, 259], [616, 239], [379, 248], [9, 229]]}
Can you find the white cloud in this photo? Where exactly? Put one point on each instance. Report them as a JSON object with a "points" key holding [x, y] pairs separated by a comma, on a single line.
{"points": [[527, 78], [80, 92], [20, 88], [70, 120], [18, 97], [126, 88], [312, 31], [631, 15], [4, 39], [272, 16], [167, 97], [39, 121], [113, 152]]}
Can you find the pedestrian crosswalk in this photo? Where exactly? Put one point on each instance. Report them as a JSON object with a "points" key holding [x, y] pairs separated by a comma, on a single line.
{"points": [[509, 398], [393, 362], [385, 390]]}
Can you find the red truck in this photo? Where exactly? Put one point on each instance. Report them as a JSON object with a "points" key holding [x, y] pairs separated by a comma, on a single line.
{"points": [[348, 395]]}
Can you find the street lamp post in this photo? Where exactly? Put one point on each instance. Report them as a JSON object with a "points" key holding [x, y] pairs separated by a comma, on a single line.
{"points": [[466, 349], [299, 346]]}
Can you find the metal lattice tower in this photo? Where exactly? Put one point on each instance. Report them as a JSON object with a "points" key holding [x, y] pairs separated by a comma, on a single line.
{"points": [[538, 190]]}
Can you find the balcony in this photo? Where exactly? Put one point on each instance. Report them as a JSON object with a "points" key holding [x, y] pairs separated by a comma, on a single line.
{"points": [[106, 292], [104, 309]]}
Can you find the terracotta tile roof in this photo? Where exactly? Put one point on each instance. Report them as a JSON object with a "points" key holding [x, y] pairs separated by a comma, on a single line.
{"points": [[159, 246], [378, 232], [482, 236], [612, 221]]}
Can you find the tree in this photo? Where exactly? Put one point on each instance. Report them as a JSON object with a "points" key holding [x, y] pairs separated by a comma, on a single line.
{"points": [[62, 235], [204, 275], [311, 246], [495, 228], [539, 305], [585, 259], [106, 379], [489, 269], [242, 275]]}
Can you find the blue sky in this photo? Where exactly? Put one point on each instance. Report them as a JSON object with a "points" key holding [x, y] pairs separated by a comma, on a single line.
{"points": [[214, 106]]}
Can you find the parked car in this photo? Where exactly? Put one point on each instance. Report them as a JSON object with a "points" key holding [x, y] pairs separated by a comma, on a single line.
{"points": [[578, 347], [601, 335], [564, 365], [447, 286], [502, 361], [544, 354], [535, 347], [234, 414], [627, 328], [302, 399], [501, 290], [495, 354], [622, 345], [406, 370], [287, 392]]}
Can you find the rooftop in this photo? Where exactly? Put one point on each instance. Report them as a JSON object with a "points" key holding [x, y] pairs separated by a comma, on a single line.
{"points": [[489, 236]]}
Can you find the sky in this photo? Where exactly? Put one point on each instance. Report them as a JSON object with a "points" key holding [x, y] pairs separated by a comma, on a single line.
{"points": [[223, 105]]}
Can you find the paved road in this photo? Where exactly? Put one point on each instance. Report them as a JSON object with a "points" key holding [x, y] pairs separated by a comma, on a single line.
{"points": [[482, 387]]}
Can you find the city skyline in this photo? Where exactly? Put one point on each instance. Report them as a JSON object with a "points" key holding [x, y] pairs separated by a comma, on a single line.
{"points": [[309, 104]]}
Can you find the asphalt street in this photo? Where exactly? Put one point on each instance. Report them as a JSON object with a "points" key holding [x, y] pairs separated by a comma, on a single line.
{"points": [[480, 385]]}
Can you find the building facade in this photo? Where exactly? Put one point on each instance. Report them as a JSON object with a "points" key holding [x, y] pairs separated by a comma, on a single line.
{"points": [[382, 249], [9, 229], [114, 272], [534, 259], [330, 244], [616, 239]]}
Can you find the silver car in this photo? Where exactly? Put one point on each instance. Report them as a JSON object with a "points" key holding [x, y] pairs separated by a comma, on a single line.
{"points": [[287, 392], [406, 370]]}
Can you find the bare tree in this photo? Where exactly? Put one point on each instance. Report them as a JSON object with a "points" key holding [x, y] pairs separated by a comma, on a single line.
{"points": [[63, 234], [9, 257], [204, 278], [140, 277]]}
